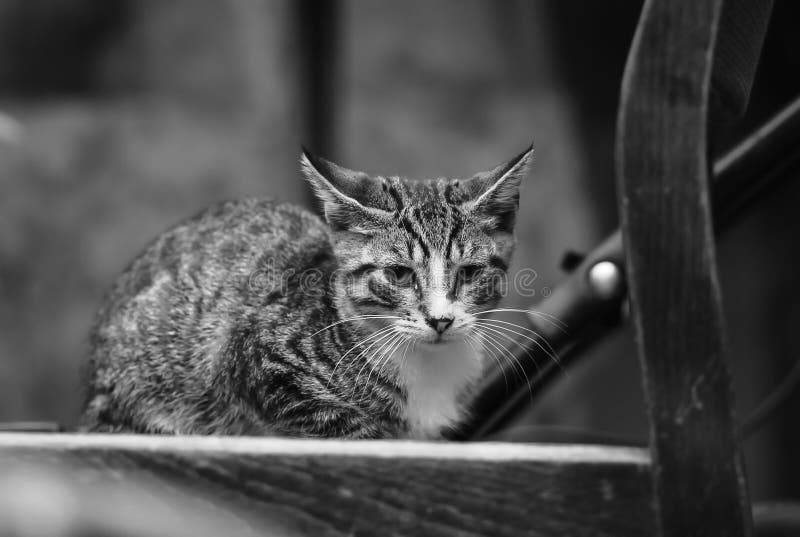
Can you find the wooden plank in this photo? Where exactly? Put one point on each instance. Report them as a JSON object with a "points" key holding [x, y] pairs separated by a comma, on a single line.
{"points": [[330, 487], [662, 172]]}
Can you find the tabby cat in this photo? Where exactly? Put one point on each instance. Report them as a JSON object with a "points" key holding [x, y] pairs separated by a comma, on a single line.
{"points": [[258, 318]]}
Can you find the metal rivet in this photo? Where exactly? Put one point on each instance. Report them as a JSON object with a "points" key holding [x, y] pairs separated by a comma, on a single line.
{"points": [[605, 279]]}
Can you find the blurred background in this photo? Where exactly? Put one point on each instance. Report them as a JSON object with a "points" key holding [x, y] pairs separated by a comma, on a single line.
{"points": [[120, 118]]}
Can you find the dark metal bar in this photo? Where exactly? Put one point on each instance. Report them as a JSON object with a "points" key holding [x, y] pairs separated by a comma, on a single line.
{"points": [[317, 33], [740, 178], [748, 170], [317, 23]]}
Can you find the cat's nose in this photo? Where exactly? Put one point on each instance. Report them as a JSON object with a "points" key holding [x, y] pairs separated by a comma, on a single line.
{"points": [[439, 324]]}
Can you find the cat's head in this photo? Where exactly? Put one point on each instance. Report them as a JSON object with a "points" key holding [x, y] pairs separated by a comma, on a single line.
{"points": [[421, 256]]}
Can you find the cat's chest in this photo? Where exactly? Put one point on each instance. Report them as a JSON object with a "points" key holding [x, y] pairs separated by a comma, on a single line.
{"points": [[435, 377]]}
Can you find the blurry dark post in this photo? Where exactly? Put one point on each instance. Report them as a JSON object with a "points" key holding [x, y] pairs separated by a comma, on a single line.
{"points": [[268, 41], [316, 28], [663, 193]]}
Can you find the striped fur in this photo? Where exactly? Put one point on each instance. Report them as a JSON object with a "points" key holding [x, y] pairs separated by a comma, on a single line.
{"points": [[242, 320]]}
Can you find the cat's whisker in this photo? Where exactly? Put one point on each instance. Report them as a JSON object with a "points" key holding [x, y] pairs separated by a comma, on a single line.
{"points": [[492, 334], [409, 345], [553, 318], [361, 342], [550, 318], [406, 341], [469, 341], [527, 352], [375, 361], [481, 341], [388, 353], [489, 341], [472, 340], [550, 349], [512, 357], [496, 330], [351, 319], [386, 337], [368, 354], [414, 345], [387, 356], [550, 352], [365, 339], [372, 361]]}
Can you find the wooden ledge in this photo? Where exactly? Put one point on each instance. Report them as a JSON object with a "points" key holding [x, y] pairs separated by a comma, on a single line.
{"points": [[293, 447], [333, 487]]}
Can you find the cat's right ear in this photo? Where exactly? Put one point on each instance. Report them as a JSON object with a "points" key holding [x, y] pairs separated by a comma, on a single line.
{"points": [[341, 192]]}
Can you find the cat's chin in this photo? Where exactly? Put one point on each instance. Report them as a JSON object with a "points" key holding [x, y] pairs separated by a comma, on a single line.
{"points": [[439, 341]]}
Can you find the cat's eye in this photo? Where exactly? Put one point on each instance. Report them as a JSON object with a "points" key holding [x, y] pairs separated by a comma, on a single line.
{"points": [[399, 275], [470, 273]]}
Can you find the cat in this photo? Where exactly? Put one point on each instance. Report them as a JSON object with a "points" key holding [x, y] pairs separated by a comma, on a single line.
{"points": [[259, 318]]}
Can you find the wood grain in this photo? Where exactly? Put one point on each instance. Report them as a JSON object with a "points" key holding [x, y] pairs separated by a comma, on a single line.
{"points": [[332, 488], [662, 170]]}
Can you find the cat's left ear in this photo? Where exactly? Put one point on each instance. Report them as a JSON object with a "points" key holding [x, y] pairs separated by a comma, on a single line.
{"points": [[494, 195], [344, 194]]}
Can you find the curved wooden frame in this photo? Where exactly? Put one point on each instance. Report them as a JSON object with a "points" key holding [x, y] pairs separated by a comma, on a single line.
{"points": [[662, 173]]}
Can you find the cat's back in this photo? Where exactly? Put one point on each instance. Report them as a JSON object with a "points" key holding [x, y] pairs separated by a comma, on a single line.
{"points": [[226, 238], [232, 244], [171, 313]]}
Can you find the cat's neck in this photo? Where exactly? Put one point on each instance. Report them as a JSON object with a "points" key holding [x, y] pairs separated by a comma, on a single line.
{"points": [[435, 378]]}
